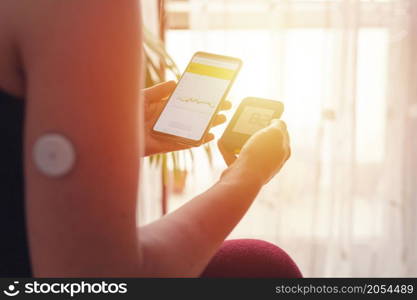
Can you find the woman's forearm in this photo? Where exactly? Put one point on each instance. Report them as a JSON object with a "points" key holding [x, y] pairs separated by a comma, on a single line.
{"points": [[182, 242]]}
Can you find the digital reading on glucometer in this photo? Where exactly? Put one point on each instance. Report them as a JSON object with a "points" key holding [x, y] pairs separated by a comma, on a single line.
{"points": [[253, 119], [195, 100], [252, 115]]}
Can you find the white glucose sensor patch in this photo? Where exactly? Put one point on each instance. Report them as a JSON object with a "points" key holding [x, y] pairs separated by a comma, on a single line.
{"points": [[54, 155]]}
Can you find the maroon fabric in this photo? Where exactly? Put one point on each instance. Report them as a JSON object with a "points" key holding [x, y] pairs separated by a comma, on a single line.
{"points": [[249, 258]]}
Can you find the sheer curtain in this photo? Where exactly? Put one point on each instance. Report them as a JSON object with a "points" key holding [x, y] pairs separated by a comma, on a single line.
{"points": [[345, 203]]}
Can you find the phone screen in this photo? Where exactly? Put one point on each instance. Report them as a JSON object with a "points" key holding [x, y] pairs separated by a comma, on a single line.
{"points": [[197, 96]]}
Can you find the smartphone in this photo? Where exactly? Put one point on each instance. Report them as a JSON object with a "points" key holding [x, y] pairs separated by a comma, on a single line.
{"points": [[252, 115], [194, 103]]}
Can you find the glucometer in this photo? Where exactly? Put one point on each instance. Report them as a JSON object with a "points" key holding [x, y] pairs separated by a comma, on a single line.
{"points": [[252, 115]]}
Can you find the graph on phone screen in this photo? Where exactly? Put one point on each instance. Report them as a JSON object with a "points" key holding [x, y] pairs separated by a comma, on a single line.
{"points": [[198, 101], [196, 97]]}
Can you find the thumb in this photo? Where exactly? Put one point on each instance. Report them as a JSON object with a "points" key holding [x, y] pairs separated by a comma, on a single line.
{"points": [[159, 91], [278, 123]]}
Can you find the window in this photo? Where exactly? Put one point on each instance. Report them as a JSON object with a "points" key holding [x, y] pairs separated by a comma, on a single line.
{"points": [[334, 65]]}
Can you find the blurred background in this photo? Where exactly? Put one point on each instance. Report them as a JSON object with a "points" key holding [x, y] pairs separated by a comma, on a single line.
{"points": [[345, 204]]}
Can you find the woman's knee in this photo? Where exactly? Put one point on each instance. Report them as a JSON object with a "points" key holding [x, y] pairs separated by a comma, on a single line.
{"points": [[251, 258]]}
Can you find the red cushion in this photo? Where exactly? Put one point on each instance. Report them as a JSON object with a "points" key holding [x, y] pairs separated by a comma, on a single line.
{"points": [[249, 258]]}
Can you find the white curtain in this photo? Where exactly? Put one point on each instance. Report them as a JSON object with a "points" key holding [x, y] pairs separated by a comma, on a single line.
{"points": [[346, 202]]}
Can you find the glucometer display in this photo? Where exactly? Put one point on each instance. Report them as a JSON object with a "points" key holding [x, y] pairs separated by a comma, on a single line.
{"points": [[253, 119], [252, 115], [196, 98]]}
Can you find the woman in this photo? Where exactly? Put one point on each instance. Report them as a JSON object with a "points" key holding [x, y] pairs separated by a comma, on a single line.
{"points": [[73, 68]]}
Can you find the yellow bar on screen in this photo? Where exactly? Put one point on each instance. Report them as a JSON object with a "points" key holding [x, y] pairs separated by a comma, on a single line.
{"points": [[211, 71]]}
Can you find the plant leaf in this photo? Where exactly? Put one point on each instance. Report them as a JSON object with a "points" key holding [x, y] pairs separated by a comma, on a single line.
{"points": [[209, 153]]}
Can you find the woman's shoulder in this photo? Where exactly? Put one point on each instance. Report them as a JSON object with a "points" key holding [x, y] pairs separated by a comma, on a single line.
{"points": [[30, 29]]}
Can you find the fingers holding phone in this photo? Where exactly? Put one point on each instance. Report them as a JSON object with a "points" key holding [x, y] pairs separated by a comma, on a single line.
{"points": [[192, 108], [155, 99]]}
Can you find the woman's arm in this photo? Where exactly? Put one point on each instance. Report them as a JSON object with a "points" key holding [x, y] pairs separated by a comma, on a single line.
{"points": [[81, 61], [182, 243]]}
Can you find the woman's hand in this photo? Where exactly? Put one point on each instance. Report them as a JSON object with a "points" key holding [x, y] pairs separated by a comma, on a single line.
{"points": [[181, 243], [261, 157], [154, 101]]}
